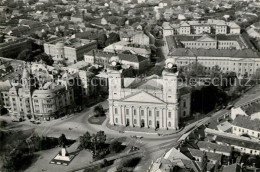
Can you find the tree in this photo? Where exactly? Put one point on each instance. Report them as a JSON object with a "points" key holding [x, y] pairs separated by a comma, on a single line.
{"points": [[46, 58], [192, 70], [25, 55], [98, 110], [85, 141], [113, 37], [101, 138], [62, 140], [115, 146]]}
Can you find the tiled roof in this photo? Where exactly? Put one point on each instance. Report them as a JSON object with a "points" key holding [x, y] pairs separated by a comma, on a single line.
{"points": [[238, 142], [232, 168], [210, 155], [213, 146], [132, 57], [244, 53], [126, 57], [247, 122]]}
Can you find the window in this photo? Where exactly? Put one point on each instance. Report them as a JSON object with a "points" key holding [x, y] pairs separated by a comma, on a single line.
{"points": [[184, 113], [150, 113], [184, 103], [116, 120], [134, 121], [142, 112], [35, 101], [150, 122], [115, 110], [169, 114], [157, 113], [134, 111], [169, 124], [127, 112]]}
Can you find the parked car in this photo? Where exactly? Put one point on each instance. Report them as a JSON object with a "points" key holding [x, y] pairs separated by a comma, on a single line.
{"points": [[17, 119]]}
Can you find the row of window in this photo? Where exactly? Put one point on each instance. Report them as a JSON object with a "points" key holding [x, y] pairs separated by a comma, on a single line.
{"points": [[142, 112], [149, 122]]}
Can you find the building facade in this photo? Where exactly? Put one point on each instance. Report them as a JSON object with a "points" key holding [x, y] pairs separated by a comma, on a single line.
{"points": [[244, 62], [150, 104], [12, 48], [137, 62], [72, 49], [44, 100], [211, 26]]}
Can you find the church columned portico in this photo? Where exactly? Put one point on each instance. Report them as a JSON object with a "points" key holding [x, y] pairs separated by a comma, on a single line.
{"points": [[138, 105]]}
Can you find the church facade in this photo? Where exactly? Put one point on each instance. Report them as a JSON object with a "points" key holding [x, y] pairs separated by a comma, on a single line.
{"points": [[149, 103]]}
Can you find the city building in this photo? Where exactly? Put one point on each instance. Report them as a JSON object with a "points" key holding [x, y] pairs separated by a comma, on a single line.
{"points": [[36, 96], [238, 143], [205, 41], [200, 27], [71, 49], [137, 62], [150, 103], [13, 47], [245, 125], [122, 46], [244, 62]]}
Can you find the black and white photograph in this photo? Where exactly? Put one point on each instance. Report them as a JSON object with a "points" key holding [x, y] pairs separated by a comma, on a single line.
{"points": [[129, 85]]}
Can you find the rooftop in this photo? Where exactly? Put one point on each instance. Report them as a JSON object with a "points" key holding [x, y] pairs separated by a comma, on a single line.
{"points": [[238, 142], [210, 155], [244, 53], [71, 42], [214, 146], [247, 122]]}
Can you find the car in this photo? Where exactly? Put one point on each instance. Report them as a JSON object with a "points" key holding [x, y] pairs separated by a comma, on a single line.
{"points": [[17, 119], [37, 122], [139, 137]]}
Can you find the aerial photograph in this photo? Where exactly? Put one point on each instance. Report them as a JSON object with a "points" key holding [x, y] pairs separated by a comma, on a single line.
{"points": [[129, 85]]}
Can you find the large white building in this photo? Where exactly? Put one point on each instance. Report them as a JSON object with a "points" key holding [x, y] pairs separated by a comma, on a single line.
{"points": [[150, 103], [201, 27], [243, 62], [71, 49]]}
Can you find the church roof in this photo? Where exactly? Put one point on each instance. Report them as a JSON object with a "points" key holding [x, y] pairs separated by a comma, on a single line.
{"points": [[142, 96]]}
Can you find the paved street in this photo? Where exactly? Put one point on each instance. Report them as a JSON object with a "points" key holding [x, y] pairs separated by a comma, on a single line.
{"points": [[76, 125]]}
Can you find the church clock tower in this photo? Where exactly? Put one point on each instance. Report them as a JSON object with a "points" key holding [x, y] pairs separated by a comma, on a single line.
{"points": [[170, 94], [115, 87]]}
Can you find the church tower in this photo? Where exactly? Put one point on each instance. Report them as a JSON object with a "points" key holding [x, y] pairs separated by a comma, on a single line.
{"points": [[115, 87], [170, 93]]}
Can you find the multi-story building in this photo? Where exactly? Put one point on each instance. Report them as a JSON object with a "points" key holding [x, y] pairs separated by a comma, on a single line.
{"points": [[243, 62], [12, 48], [71, 49], [199, 27], [121, 46], [137, 62], [149, 103], [31, 95], [205, 42]]}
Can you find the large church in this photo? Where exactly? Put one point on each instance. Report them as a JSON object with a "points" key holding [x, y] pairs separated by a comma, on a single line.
{"points": [[153, 102]]}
